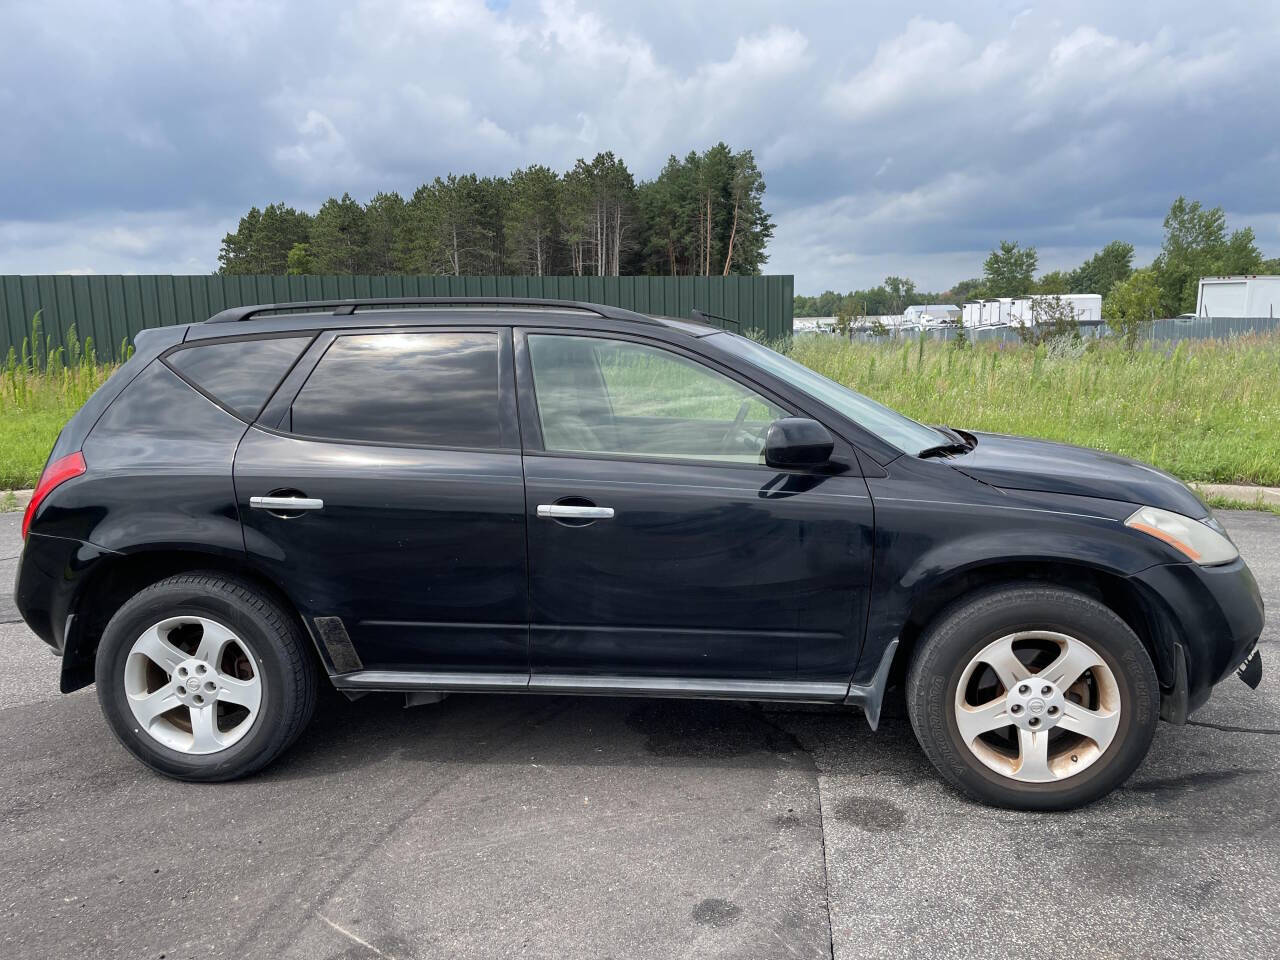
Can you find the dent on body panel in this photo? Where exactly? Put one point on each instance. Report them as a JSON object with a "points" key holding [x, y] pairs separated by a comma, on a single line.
{"points": [[173, 448]]}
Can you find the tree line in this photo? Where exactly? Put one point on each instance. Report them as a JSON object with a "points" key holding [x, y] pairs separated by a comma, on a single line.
{"points": [[701, 216], [1196, 244]]}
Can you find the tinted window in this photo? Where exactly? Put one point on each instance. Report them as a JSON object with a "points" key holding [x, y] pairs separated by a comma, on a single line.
{"points": [[618, 397], [241, 374], [404, 388]]}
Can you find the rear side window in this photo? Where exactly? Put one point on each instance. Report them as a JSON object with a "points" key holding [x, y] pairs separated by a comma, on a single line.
{"points": [[240, 374], [434, 389]]}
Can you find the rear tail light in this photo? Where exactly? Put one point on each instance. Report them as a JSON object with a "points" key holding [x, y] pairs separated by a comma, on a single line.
{"points": [[61, 470]]}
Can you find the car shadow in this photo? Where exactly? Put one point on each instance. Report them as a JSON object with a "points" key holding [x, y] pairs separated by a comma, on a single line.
{"points": [[525, 729]]}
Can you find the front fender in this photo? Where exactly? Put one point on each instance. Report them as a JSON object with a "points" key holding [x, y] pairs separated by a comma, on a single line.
{"points": [[924, 540]]}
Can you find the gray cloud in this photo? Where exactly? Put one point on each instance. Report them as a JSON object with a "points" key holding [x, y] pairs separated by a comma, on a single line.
{"points": [[891, 140]]}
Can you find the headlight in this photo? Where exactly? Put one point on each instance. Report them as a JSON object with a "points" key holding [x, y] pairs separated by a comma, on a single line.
{"points": [[1196, 540]]}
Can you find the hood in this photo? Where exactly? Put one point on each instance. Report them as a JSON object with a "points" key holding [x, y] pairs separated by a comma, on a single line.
{"points": [[1021, 463]]}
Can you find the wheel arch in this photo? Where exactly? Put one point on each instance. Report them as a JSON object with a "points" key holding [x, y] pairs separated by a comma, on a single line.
{"points": [[118, 577], [1141, 610]]}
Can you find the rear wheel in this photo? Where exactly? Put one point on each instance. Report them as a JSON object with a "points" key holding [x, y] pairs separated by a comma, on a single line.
{"points": [[202, 677], [1038, 698]]}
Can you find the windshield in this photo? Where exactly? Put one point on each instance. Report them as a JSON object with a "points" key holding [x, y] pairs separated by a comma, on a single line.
{"points": [[889, 425]]}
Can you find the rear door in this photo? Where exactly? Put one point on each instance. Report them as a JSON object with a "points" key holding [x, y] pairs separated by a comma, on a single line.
{"points": [[660, 545], [382, 488]]}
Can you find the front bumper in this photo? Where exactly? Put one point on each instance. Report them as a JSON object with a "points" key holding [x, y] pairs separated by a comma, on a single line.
{"points": [[1214, 614]]}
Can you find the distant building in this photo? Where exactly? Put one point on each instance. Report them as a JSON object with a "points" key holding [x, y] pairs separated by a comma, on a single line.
{"points": [[1238, 297], [932, 311], [813, 324], [1015, 311]]}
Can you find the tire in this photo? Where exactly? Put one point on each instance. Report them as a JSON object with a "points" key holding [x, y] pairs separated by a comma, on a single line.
{"points": [[255, 660], [1116, 699]]}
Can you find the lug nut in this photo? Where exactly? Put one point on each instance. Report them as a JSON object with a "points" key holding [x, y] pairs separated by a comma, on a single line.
{"points": [[211, 686], [1052, 711], [200, 669], [1034, 721], [1024, 689], [1016, 708], [1046, 690]]}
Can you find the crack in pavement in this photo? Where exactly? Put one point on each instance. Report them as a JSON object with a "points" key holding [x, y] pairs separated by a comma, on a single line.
{"points": [[822, 823], [1227, 728], [351, 936]]}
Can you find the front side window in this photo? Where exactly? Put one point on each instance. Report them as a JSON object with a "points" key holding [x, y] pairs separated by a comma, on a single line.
{"points": [[433, 389], [616, 397]]}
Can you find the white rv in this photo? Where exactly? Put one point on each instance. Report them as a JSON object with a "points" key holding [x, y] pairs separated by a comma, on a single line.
{"points": [[1238, 297]]}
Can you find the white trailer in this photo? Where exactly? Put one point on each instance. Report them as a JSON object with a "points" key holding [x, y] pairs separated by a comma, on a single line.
{"points": [[1017, 311], [932, 311], [986, 313], [1238, 297]]}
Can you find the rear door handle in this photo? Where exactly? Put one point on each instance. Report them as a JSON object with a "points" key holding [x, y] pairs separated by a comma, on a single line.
{"points": [[286, 503], [557, 511]]}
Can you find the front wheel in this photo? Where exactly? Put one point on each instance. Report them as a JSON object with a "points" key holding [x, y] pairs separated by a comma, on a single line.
{"points": [[202, 677], [1037, 698]]}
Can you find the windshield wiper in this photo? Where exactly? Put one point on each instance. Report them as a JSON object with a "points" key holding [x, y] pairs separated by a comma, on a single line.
{"points": [[958, 444], [943, 449]]}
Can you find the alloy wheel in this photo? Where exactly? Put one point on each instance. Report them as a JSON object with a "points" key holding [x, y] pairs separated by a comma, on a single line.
{"points": [[1037, 706], [192, 685]]}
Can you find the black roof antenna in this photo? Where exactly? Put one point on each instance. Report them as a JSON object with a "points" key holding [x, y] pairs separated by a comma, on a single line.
{"points": [[704, 316]]}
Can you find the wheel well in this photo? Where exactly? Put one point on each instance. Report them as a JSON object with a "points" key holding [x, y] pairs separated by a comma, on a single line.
{"points": [[1119, 594], [121, 578]]}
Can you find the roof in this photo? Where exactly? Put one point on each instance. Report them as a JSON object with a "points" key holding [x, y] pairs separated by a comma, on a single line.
{"points": [[403, 310]]}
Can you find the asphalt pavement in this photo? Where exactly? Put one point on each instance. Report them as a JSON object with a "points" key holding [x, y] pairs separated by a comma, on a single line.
{"points": [[557, 827]]}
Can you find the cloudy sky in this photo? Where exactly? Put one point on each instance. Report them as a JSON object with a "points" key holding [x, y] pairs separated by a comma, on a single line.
{"points": [[894, 138]]}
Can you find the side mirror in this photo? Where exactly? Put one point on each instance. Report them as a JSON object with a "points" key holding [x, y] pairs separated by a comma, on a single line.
{"points": [[797, 442]]}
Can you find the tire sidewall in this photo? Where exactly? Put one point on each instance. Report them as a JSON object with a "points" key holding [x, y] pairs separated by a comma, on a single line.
{"points": [[964, 634], [169, 600]]}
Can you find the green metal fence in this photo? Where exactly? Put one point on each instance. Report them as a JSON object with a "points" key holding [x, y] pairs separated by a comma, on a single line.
{"points": [[111, 309]]}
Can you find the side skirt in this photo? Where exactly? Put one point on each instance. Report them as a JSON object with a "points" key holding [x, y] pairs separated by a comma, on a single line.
{"points": [[787, 691]]}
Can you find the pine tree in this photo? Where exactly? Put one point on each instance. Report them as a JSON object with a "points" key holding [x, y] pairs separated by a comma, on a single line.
{"points": [[340, 237], [531, 219]]}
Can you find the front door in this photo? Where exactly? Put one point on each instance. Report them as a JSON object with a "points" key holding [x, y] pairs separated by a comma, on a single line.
{"points": [[659, 543], [394, 515]]}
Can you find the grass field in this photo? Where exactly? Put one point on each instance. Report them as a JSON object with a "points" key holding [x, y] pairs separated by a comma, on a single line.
{"points": [[37, 396], [1207, 410]]}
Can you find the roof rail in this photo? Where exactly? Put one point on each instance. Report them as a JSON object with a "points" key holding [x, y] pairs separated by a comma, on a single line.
{"points": [[344, 308]]}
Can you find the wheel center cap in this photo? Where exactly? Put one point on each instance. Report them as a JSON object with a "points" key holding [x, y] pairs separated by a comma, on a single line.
{"points": [[195, 682], [1035, 704]]}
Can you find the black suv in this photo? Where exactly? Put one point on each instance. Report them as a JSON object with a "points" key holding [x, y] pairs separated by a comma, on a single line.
{"points": [[556, 497]]}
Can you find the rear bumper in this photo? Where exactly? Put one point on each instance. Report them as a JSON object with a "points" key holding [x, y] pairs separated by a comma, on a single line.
{"points": [[1217, 614], [51, 573]]}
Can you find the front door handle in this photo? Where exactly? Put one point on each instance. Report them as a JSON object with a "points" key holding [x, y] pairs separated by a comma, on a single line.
{"points": [[286, 504], [562, 511]]}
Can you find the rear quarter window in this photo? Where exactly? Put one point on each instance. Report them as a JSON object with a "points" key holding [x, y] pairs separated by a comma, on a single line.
{"points": [[239, 374]]}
